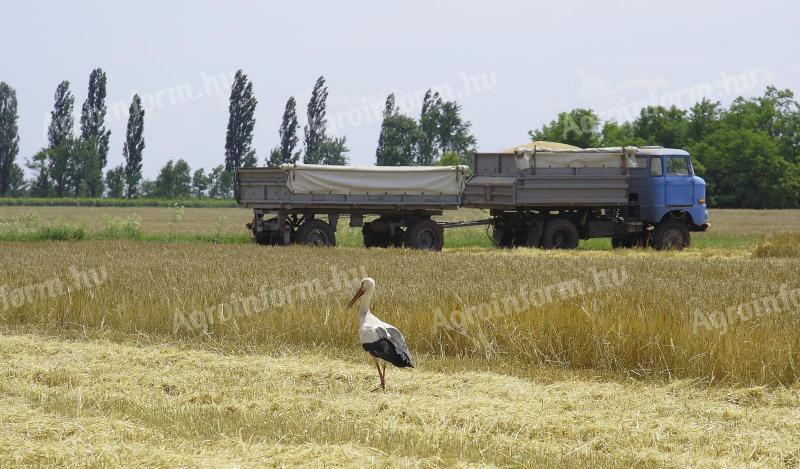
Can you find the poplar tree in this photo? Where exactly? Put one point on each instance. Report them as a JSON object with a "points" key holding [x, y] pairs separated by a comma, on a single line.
{"points": [[239, 138], [134, 147], [9, 137]]}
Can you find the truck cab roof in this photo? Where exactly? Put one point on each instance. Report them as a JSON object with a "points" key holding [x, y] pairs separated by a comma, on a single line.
{"points": [[660, 151]]}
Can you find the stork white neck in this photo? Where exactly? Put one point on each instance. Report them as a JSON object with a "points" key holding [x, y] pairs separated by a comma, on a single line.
{"points": [[365, 301]]}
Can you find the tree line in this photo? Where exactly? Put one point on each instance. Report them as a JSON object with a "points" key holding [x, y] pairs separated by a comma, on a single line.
{"points": [[73, 164], [748, 152]]}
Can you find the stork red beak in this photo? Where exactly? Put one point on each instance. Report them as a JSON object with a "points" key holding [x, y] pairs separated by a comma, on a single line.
{"points": [[356, 297]]}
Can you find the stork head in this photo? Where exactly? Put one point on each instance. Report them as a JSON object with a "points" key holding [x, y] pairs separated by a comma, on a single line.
{"points": [[366, 287]]}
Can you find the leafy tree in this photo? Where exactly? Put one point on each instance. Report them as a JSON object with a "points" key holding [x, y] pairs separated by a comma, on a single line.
{"points": [[221, 183], [285, 152], [450, 158], [615, 134], [183, 179], [703, 119], [453, 131], [400, 138], [250, 160], [744, 169], [58, 166], [315, 129], [134, 146], [76, 168], [579, 127], [657, 125], [147, 188], [9, 136], [115, 182], [174, 180], [241, 123], [429, 119], [93, 114], [61, 120], [332, 151], [17, 187], [200, 183], [40, 163]]}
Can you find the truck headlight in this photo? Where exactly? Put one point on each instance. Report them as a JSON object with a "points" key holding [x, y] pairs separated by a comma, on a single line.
{"points": [[701, 201]]}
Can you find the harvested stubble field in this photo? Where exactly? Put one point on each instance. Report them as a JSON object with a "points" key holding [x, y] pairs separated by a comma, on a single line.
{"points": [[201, 354]]}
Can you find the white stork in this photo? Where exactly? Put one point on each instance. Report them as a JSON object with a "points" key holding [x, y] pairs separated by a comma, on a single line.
{"points": [[380, 339]]}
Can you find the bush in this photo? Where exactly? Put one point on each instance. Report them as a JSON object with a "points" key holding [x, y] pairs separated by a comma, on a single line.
{"points": [[779, 245], [62, 232], [120, 228]]}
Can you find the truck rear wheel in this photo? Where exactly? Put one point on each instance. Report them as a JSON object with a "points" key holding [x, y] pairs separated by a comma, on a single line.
{"points": [[425, 234], [560, 234], [316, 233], [670, 234]]}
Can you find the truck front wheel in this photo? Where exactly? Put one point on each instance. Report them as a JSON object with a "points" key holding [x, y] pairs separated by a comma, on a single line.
{"points": [[560, 234], [670, 234]]}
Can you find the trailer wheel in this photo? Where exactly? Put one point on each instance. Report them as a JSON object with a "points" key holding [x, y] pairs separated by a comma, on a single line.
{"points": [[670, 234], [425, 234], [316, 233], [560, 234]]}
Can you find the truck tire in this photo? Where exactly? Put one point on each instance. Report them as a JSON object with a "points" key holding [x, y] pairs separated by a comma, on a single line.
{"points": [[316, 233], [425, 234], [670, 234], [560, 234]]}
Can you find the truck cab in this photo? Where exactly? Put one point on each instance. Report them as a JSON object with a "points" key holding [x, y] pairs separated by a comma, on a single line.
{"points": [[667, 195]]}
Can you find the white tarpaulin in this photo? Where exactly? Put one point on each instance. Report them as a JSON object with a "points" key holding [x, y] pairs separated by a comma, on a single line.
{"points": [[578, 158], [322, 179]]}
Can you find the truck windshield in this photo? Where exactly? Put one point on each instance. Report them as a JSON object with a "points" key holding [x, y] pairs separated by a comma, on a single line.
{"points": [[677, 166]]}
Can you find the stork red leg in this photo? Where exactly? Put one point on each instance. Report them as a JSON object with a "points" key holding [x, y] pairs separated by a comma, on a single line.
{"points": [[380, 375]]}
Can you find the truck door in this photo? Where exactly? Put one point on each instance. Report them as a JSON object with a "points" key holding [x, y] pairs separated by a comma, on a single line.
{"points": [[678, 182]]}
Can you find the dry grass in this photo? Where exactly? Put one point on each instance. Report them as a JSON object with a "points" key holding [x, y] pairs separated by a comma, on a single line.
{"points": [[622, 375], [779, 245], [100, 403], [645, 327]]}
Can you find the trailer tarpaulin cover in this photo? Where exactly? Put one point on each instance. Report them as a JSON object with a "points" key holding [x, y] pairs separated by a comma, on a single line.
{"points": [[578, 158], [322, 179]]}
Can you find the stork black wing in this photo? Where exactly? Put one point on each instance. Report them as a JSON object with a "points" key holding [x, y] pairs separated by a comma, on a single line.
{"points": [[391, 347]]}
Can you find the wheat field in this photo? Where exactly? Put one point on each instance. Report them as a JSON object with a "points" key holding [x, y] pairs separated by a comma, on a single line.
{"points": [[159, 354]]}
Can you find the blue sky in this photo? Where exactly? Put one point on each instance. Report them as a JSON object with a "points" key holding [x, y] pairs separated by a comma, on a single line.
{"points": [[511, 65]]}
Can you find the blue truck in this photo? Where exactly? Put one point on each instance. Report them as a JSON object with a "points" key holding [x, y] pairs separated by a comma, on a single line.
{"points": [[543, 198]]}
